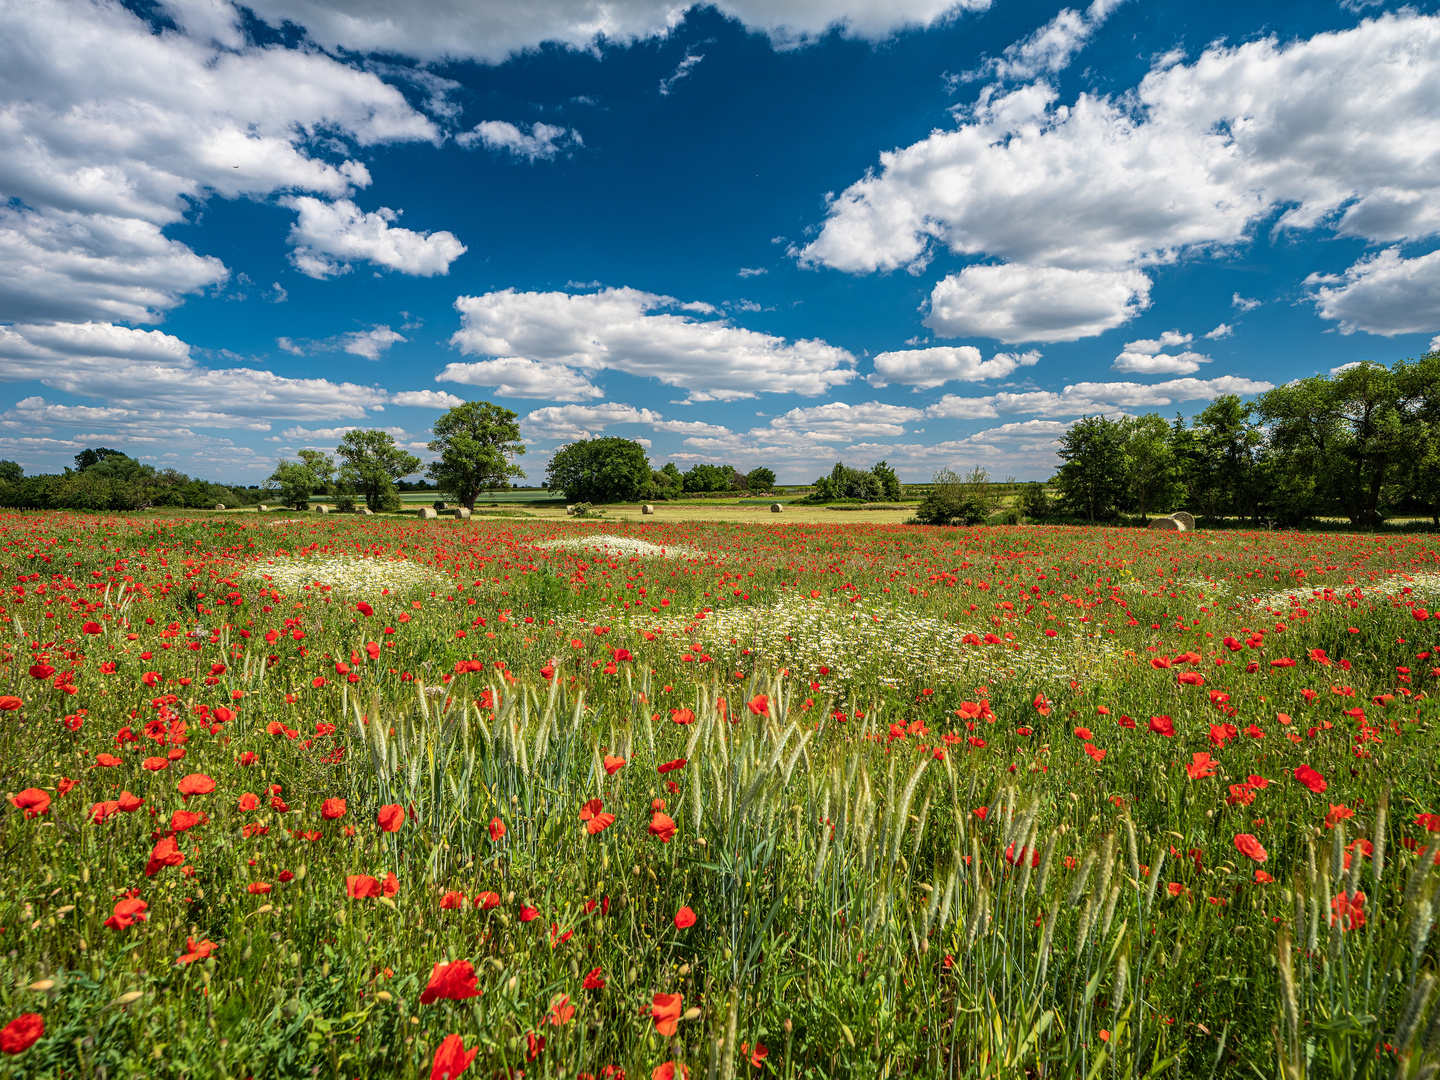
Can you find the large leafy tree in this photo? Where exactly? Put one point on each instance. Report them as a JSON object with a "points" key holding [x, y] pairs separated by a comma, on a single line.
{"points": [[1149, 464], [1091, 478], [600, 470], [371, 463], [477, 443], [294, 482]]}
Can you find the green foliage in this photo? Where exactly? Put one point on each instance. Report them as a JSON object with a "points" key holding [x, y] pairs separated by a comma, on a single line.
{"points": [[611, 469], [665, 483], [295, 482], [11, 472], [879, 484], [477, 443], [761, 479], [1034, 501], [956, 500], [701, 478], [371, 463], [1091, 479]]}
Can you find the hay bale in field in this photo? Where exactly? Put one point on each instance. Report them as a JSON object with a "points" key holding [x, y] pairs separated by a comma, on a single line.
{"points": [[366, 511], [776, 508], [1186, 519], [322, 509], [427, 513], [647, 509], [461, 513], [263, 508], [219, 506], [1166, 524], [569, 511]]}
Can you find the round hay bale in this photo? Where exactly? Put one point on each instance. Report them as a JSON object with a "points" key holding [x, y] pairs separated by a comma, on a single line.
{"points": [[462, 513], [322, 509], [569, 511], [264, 509], [1185, 518], [427, 513], [647, 509], [1166, 524], [776, 508], [366, 511], [219, 506]]}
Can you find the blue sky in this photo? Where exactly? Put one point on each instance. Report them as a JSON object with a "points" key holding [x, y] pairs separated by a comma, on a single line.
{"points": [[774, 233]]}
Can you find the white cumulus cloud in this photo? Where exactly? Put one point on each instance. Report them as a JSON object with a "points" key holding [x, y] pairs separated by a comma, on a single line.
{"points": [[329, 236], [426, 399], [541, 141], [1016, 303], [517, 377], [582, 421], [370, 343], [927, 368], [648, 336], [1384, 293]]}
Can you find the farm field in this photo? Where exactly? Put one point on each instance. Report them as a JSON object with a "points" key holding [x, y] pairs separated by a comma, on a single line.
{"points": [[324, 796]]}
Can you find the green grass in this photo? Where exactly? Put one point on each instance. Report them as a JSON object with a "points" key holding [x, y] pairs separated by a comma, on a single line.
{"points": [[901, 858]]}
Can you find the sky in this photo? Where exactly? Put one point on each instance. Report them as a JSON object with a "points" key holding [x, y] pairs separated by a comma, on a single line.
{"points": [[776, 233]]}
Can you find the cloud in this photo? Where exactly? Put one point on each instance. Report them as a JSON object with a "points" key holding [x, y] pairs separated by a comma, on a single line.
{"points": [[442, 29], [328, 237], [1094, 397], [1382, 294], [582, 421], [153, 376], [1435, 344], [370, 343], [542, 141], [631, 331], [927, 368], [1143, 357], [1338, 131], [1224, 330], [1016, 303], [1051, 48], [426, 399], [747, 271], [1244, 303], [839, 422], [112, 132], [682, 70], [517, 377], [328, 435]]}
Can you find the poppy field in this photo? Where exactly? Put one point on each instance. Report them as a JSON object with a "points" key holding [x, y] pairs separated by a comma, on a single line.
{"points": [[373, 798]]}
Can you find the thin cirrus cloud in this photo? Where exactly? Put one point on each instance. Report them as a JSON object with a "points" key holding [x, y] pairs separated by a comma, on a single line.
{"points": [[442, 29], [641, 334], [1189, 162], [114, 132]]}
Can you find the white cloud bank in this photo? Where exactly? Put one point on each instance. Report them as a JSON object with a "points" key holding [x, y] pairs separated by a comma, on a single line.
{"points": [[328, 237], [925, 369], [1339, 131], [542, 141], [438, 29], [559, 340], [1383, 294]]}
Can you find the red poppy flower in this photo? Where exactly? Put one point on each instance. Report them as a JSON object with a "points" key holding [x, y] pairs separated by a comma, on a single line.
{"points": [[665, 1009], [613, 764], [1348, 911], [128, 803], [671, 766], [41, 671], [364, 609], [1201, 765], [682, 716], [759, 705], [259, 888], [497, 830], [183, 820], [528, 913], [332, 809], [1262, 878], [561, 1011], [198, 951], [1163, 725], [760, 1053], [594, 980], [1095, 752], [155, 764], [1338, 813], [594, 817], [487, 900], [670, 1070], [362, 886], [683, 918], [454, 981], [33, 801], [127, 913], [663, 827], [21, 1033], [391, 817], [248, 802], [391, 885], [1042, 704], [1248, 845], [1311, 779], [165, 853], [102, 811], [1174, 888], [451, 1058], [195, 784], [1428, 822], [452, 900], [1084, 733], [9, 703]]}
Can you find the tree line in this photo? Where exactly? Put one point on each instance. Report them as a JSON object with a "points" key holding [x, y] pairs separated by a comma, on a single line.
{"points": [[1361, 444], [106, 479]]}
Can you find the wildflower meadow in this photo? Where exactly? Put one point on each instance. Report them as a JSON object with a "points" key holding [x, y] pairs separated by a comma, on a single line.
{"points": [[368, 797]]}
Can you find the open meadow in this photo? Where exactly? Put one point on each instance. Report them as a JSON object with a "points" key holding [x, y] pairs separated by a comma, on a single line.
{"points": [[371, 797]]}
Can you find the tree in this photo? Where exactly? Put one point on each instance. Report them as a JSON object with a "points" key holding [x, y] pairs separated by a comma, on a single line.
{"points": [[372, 462], [1149, 464], [701, 478], [321, 466], [611, 469], [88, 457], [665, 483], [761, 479], [295, 483], [477, 442], [956, 500], [847, 483], [11, 472], [889, 482], [1094, 467]]}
